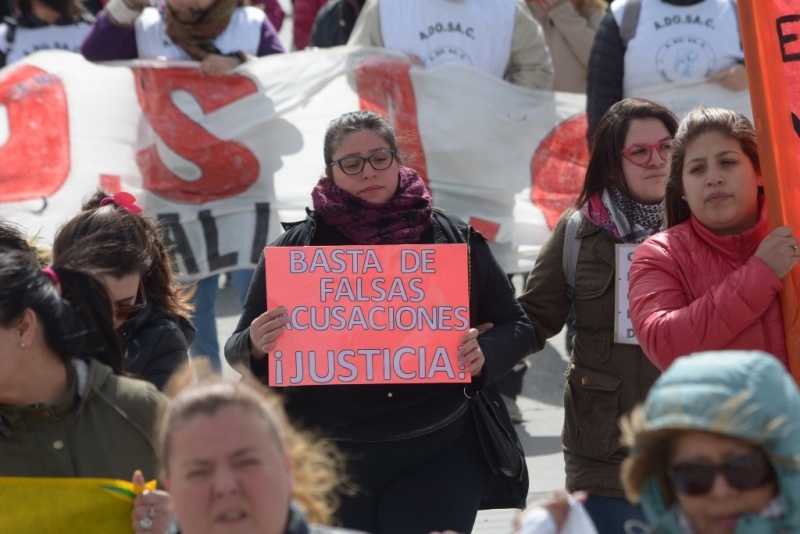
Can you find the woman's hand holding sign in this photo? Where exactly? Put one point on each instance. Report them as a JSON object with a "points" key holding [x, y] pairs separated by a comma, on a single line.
{"points": [[265, 329], [470, 355]]}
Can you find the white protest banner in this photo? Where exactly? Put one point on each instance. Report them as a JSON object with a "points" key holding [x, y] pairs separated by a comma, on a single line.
{"points": [[221, 162], [390, 314], [681, 97]]}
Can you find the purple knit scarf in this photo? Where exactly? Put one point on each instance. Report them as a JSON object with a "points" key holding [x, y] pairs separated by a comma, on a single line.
{"points": [[401, 220]]}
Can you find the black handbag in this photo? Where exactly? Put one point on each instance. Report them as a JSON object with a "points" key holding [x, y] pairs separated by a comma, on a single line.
{"points": [[498, 444]]}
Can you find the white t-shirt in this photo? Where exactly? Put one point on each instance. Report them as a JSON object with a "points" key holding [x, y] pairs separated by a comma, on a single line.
{"points": [[29, 40], [243, 33], [678, 43], [476, 32]]}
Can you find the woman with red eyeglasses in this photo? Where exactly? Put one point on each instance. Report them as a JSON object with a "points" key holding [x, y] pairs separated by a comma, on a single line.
{"points": [[716, 447], [620, 203], [711, 280], [111, 238]]}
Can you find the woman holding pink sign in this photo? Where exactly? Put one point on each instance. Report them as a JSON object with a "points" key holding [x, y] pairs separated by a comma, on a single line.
{"points": [[415, 452]]}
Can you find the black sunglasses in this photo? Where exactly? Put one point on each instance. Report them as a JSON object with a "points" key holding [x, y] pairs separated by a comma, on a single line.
{"points": [[743, 473], [128, 312]]}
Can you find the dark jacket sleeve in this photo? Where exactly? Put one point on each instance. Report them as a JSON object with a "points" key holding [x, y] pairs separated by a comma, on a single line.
{"points": [[605, 73], [545, 298], [169, 352], [237, 348], [155, 348], [509, 340], [326, 31], [269, 42]]}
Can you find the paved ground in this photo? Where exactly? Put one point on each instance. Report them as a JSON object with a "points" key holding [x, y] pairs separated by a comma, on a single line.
{"points": [[540, 403]]}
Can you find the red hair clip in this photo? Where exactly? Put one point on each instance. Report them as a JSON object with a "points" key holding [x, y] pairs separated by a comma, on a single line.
{"points": [[51, 274], [124, 200]]}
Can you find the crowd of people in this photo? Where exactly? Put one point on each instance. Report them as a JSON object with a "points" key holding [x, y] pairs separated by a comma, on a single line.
{"points": [[689, 429]]}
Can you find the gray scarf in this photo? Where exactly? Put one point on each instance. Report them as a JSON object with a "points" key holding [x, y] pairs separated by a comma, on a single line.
{"points": [[634, 221]]}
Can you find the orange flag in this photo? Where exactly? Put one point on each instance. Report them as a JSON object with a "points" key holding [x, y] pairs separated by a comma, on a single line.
{"points": [[771, 40]]}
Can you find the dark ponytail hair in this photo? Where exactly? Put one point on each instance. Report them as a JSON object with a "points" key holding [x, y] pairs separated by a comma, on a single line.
{"points": [[110, 240], [12, 237], [76, 323]]}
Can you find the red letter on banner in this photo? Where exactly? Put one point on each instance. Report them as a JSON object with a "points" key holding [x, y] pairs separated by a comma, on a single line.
{"points": [[227, 168], [36, 155], [558, 168], [384, 86]]}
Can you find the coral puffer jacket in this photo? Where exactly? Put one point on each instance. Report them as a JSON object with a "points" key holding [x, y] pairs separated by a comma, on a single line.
{"points": [[692, 290]]}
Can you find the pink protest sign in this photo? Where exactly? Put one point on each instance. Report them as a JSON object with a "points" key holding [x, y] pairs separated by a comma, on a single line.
{"points": [[390, 314]]}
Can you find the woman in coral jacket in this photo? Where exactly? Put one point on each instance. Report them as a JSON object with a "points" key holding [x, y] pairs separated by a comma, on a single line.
{"points": [[711, 280]]}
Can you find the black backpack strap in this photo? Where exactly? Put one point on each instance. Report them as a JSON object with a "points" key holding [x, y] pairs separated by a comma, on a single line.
{"points": [[11, 34]]}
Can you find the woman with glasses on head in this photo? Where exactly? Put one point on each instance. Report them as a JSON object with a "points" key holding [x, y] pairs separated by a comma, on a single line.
{"points": [[111, 238], [711, 280], [620, 202], [414, 450], [716, 447]]}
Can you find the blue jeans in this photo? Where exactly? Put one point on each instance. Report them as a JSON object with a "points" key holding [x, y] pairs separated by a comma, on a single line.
{"points": [[609, 514], [205, 317]]}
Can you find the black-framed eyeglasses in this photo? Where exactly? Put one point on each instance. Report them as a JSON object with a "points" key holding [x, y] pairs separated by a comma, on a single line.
{"points": [[351, 165], [641, 154], [128, 312], [743, 472]]}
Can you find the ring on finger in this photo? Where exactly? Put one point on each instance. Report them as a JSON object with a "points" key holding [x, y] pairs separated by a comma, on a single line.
{"points": [[146, 523], [151, 512]]}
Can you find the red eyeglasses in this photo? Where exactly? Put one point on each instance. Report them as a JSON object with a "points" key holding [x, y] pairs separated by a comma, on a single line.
{"points": [[128, 312], [641, 154], [743, 472]]}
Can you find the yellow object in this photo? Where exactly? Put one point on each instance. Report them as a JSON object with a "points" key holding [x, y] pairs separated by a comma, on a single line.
{"points": [[64, 505]]}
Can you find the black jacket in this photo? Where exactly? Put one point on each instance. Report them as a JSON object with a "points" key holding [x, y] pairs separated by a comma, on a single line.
{"points": [[156, 344], [298, 524], [368, 412], [606, 69], [334, 22]]}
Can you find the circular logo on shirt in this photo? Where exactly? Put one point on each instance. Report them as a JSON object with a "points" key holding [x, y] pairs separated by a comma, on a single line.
{"points": [[685, 58], [447, 54]]}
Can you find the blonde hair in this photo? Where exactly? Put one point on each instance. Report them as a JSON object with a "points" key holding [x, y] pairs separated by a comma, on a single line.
{"points": [[316, 464], [649, 454], [585, 7]]}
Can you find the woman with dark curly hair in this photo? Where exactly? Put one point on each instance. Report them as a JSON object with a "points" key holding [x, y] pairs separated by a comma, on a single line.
{"points": [[123, 247]]}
